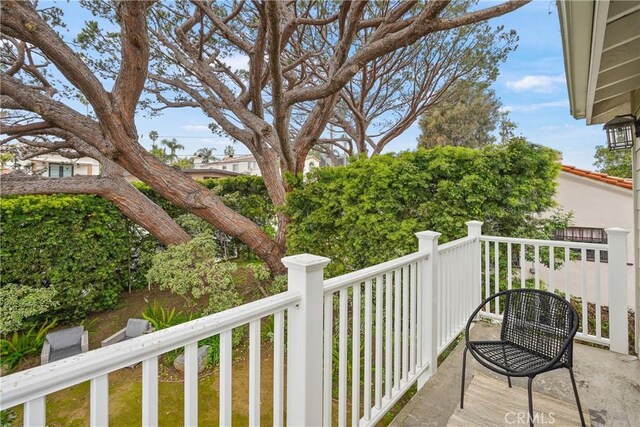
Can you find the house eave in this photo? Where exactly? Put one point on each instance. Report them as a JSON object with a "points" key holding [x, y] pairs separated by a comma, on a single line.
{"points": [[576, 46]]}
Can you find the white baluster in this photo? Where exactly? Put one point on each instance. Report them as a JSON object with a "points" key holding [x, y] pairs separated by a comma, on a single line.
{"points": [[35, 412], [278, 368], [379, 324], [226, 375], [355, 357], [254, 373], [405, 322], [367, 348], [150, 392], [327, 397], [99, 401], [191, 384], [342, 357]]}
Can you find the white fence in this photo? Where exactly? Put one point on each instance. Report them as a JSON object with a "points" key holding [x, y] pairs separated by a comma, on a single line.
{"points": [[31, 387], [364, 338], [573, 269]]}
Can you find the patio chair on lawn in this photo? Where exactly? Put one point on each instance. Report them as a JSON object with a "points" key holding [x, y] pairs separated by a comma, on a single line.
{"points": [[134, 329], [64, 343], [537, 334]]}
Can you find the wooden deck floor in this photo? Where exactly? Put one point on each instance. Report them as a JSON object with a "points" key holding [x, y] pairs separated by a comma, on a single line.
{"points": [[608, 383], [484, 406]]}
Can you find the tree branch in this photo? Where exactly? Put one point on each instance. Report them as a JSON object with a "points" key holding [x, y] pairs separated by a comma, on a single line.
{"points": [[135, 55]]}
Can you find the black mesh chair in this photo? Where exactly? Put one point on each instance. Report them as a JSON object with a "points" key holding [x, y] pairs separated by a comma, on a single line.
{"points": [[536, 336]]}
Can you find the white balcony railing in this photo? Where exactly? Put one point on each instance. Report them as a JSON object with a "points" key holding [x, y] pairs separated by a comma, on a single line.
{"points": [[573, 269], [364, 338]]}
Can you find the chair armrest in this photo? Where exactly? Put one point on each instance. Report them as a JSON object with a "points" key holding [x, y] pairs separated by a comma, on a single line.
{"points": [[84, 342], [477, 310], [44, 355], [117, 337]]}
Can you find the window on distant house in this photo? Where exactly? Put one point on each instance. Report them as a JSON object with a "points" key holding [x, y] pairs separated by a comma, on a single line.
{"points": [[236, 167], [224, 168], [60, 171], [585, 235]]}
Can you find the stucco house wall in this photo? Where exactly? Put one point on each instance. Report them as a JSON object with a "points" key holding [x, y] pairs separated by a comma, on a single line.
{"points": [[595, 204], [81, 166]]}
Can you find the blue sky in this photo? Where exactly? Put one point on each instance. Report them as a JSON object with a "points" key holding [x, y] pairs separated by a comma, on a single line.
{"points": [[531, 86]]}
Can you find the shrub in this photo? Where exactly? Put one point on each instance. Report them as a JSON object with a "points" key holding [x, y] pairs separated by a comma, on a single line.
{"points": [[21, 305], [21, 345], [79, 247], [367, 212], [190, 270], [161, 317]]}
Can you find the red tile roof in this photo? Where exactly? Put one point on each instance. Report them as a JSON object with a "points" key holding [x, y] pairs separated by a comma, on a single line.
{"points": [[613, 180]]}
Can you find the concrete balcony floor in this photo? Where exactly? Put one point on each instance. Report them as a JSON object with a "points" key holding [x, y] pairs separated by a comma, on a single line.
{"points": [[608, 385]]}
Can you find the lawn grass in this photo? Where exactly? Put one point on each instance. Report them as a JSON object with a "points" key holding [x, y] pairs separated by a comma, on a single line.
{"points": [[70, 407]]}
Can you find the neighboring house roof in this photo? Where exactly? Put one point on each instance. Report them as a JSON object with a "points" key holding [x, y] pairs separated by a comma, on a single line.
{"points": [[211, 171], [235, 159], [602, 177]]}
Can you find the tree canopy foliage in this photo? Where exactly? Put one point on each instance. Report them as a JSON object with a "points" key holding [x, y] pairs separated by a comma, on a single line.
{"points": [[613, 162], [467, 119], [367, 212], [388, 94]]}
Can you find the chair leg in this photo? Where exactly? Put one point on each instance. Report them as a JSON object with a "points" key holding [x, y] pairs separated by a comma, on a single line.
{"points": [[464, 368], [575, 392], [504, 355], [530, 401]]}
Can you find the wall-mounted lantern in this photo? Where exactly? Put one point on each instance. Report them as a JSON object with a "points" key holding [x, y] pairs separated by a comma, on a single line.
{"points": [[621, 131]]}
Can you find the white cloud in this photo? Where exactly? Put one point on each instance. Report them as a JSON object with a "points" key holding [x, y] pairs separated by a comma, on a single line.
{"points": [[539, 83], [536, 106], [196, 128], [237, 62]]}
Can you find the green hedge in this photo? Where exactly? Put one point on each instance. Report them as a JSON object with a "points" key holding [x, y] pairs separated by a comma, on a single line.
{"points": [[81, 246], [368, 211], [83, 252]]}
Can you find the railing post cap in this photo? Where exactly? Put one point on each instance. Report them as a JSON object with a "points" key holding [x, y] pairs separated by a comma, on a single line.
{"points": [[616, 231], [305, 262], [428, 235], [474, 223]]}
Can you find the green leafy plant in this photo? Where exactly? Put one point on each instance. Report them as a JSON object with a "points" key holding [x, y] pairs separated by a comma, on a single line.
{"points": [[7, 417], [162, 317], [21, 305], [190, 270], [89, 325], [18, 346]]}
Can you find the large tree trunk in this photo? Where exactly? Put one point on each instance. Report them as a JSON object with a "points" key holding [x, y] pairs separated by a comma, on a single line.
{"points": [[175, 186]]}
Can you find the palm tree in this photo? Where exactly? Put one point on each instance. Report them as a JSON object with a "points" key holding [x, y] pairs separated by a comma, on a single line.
{"points": [[206, 154], [173, 145], [153, 136]]}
